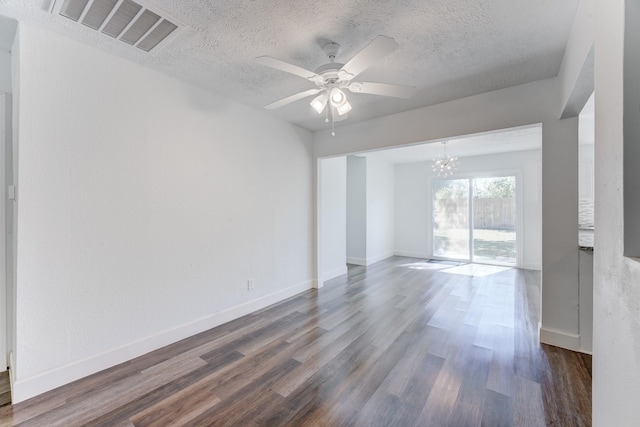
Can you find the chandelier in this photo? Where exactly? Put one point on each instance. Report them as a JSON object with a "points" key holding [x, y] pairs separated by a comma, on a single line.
{"points": [[445, 165]]}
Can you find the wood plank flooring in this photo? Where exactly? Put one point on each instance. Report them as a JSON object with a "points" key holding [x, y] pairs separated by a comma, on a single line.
{"points": [[403, 342], [5, 388]]}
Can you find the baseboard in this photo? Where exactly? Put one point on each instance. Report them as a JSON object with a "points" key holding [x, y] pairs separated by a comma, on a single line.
{"points": [[530, 266], [27, 388], [356, 261], [560, 339], [412, 254], [374, 259], [12, 370], [334, 273]]}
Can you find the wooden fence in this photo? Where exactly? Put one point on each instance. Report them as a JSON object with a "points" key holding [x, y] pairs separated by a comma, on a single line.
{"points": [[488, 213]]}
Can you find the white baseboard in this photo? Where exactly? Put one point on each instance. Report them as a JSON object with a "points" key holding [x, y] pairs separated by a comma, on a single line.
{"points": [[369, 260], [374, 259], [412, 254], [12, 370], [560, 339], [27, 388], [530, 266], [334, 273]]}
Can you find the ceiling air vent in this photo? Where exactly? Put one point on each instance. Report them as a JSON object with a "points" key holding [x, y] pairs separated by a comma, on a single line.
{"points": [[125, 20]]}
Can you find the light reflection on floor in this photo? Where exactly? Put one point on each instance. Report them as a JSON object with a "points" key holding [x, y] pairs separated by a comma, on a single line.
{"points": [[474, 270]]}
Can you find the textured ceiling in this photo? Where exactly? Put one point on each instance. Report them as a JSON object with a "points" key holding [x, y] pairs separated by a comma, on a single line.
{"points": [[448, 48]]}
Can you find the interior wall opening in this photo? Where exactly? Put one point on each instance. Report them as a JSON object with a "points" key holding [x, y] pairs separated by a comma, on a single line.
{"points": [[502, 171]]}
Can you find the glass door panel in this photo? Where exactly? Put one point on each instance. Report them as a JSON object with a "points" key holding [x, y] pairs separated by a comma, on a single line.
{"points": [[451, 234], [494, 220]]}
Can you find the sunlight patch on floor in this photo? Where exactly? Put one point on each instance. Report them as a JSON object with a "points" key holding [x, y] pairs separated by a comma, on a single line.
{"points": [[475, 270], [426, 265]]}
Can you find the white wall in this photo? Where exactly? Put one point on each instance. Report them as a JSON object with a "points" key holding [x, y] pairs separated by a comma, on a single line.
{"points": [[333, 216], [370, 210], [12, 210], [356, 210], [380, 210], [616, 347], [586, 156], [5, 71], [586, 302], [413, 201], [412, 215], [5, 144], [145, 205]]}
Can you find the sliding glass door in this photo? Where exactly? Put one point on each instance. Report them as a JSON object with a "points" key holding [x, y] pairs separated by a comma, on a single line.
{"points": [[451, 236], [475, 219]]}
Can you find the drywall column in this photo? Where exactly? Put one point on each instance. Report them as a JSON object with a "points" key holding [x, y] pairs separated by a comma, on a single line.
{"points": [[616, 322], [380, 209], [333, 217], [5, 105], [586, 301], [560, 262], [356, 210], [5, 71], [5, 138]]}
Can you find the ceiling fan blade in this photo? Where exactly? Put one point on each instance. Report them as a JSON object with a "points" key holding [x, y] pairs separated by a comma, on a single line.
{"points": [[377, 49], [292, 98], [289, 68], [384, 89]]}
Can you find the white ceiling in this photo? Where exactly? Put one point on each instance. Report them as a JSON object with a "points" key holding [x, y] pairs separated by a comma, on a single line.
{"points": [[518, 139], [448, 48]]}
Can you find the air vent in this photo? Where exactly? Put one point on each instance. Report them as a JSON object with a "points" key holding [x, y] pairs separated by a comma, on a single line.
{"points": [[124, 20]]}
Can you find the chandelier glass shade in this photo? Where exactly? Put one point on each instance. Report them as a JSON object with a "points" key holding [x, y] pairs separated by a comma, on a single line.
{"points": [[446, 165]]}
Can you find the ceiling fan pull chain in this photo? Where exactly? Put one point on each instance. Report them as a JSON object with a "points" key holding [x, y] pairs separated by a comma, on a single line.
{"points": [[333, 122]]}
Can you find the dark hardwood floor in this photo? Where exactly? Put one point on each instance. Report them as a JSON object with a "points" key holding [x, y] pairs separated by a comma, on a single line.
{"points": [[403, 342]]}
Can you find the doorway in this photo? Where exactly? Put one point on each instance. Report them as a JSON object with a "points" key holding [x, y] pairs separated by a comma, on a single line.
{"points": [[475, 219]]}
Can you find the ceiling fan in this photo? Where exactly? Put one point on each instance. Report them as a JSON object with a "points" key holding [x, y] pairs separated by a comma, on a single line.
{"points": [[331, 79]]}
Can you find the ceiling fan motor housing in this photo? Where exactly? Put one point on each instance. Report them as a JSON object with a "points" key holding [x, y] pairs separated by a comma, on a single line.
{"points": [[331, 49], [329, 71]]}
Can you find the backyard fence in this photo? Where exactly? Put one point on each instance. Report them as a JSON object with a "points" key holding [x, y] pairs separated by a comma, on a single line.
{"points": [[493, 213]]}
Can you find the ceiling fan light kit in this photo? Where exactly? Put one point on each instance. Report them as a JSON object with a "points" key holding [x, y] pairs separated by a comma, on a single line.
{"points": [[333, 78], [319, 102]]}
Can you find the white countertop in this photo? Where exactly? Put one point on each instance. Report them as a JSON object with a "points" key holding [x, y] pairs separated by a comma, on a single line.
{"points": [[585, 239]]}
